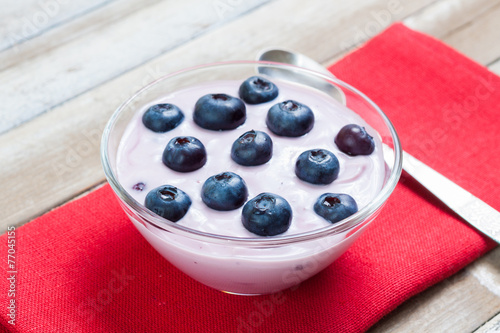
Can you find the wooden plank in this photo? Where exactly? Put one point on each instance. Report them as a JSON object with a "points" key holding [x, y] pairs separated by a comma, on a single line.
{"points": [[492, 326], [495, 67], [486, 272], [483, 32], [89, 60], [59, 150], [444, 17], [367, 20], [26, 19], [70, 30], [461, 303]]}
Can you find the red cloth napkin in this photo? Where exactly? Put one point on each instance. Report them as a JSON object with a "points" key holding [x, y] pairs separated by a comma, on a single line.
{"points": [[84, 268]]}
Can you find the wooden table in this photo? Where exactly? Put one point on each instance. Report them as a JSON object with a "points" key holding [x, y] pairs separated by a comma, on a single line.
{"points": [[65, 67]]}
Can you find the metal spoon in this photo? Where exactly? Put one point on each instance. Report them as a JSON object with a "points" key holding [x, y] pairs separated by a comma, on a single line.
{"points": [[300, 60], [473, 210]]}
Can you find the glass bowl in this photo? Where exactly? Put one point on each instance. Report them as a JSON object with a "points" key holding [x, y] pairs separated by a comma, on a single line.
{"points": [[250, 265]]}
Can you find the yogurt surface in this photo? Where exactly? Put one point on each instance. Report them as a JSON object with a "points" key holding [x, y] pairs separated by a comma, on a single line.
{"points": [[139, 159]]}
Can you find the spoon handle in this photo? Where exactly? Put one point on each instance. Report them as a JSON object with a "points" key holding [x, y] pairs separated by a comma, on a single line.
{"points": [[473, 210]]}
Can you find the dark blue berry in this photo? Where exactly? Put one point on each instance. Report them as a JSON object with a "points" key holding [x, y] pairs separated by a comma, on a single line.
{"points": [[219, 112], [252, 148], [267, 214], [317, 166], [334, 207], [290, 118], [354, 140], [162, 117], [168, 201], [257, 90], [184, 154], [225, 191]]}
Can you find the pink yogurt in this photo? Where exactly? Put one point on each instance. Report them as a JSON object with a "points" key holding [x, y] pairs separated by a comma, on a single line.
{"points": [[249, 270]]}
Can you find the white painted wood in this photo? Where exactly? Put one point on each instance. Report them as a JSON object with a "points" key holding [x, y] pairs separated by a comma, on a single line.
{"points": [[495, 67], [486, 272], [71, 29], [43, 82], [23, 20], [492, 326], [443, 17], [445, 20], [456, 23], [481, 32]]}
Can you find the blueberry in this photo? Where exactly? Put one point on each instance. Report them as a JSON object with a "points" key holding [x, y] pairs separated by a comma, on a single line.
{"points": [[219, 112], [290, 118], [225, 191], [257, 90], [334, 207], [252, 148], [162, 117], [267, 214], [317, 166], [184, 154], [354, 140], [168, 201]]}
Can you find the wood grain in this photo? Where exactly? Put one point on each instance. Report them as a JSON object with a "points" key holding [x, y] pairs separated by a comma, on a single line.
{"points": [[483, 32], [88, 61], [492, 326], [26, 19], [70, 30], [442, 18]]}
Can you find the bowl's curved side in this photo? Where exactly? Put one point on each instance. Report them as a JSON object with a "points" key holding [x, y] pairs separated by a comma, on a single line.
{"points": [[229, 263]]}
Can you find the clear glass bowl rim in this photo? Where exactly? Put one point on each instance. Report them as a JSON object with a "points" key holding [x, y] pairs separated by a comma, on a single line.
{"points": [[158, 222]]}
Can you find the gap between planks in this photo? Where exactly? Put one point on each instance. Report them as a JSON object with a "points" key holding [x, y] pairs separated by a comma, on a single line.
{"points": [[49, 79], [460, 303], [28, 19], [491, 326], [67, 31]]}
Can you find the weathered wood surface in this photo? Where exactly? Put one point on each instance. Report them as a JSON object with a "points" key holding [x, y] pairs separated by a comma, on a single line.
{"points": [[27, 19], [103, 54], [492, 326], [73, 28], [65, 81]]}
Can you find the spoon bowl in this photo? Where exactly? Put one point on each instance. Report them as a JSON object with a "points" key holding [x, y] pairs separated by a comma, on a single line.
{"points": [[299, 60]]}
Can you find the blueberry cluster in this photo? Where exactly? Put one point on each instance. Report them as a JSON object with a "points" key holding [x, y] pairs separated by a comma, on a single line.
{"points": [[267, 214]]}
